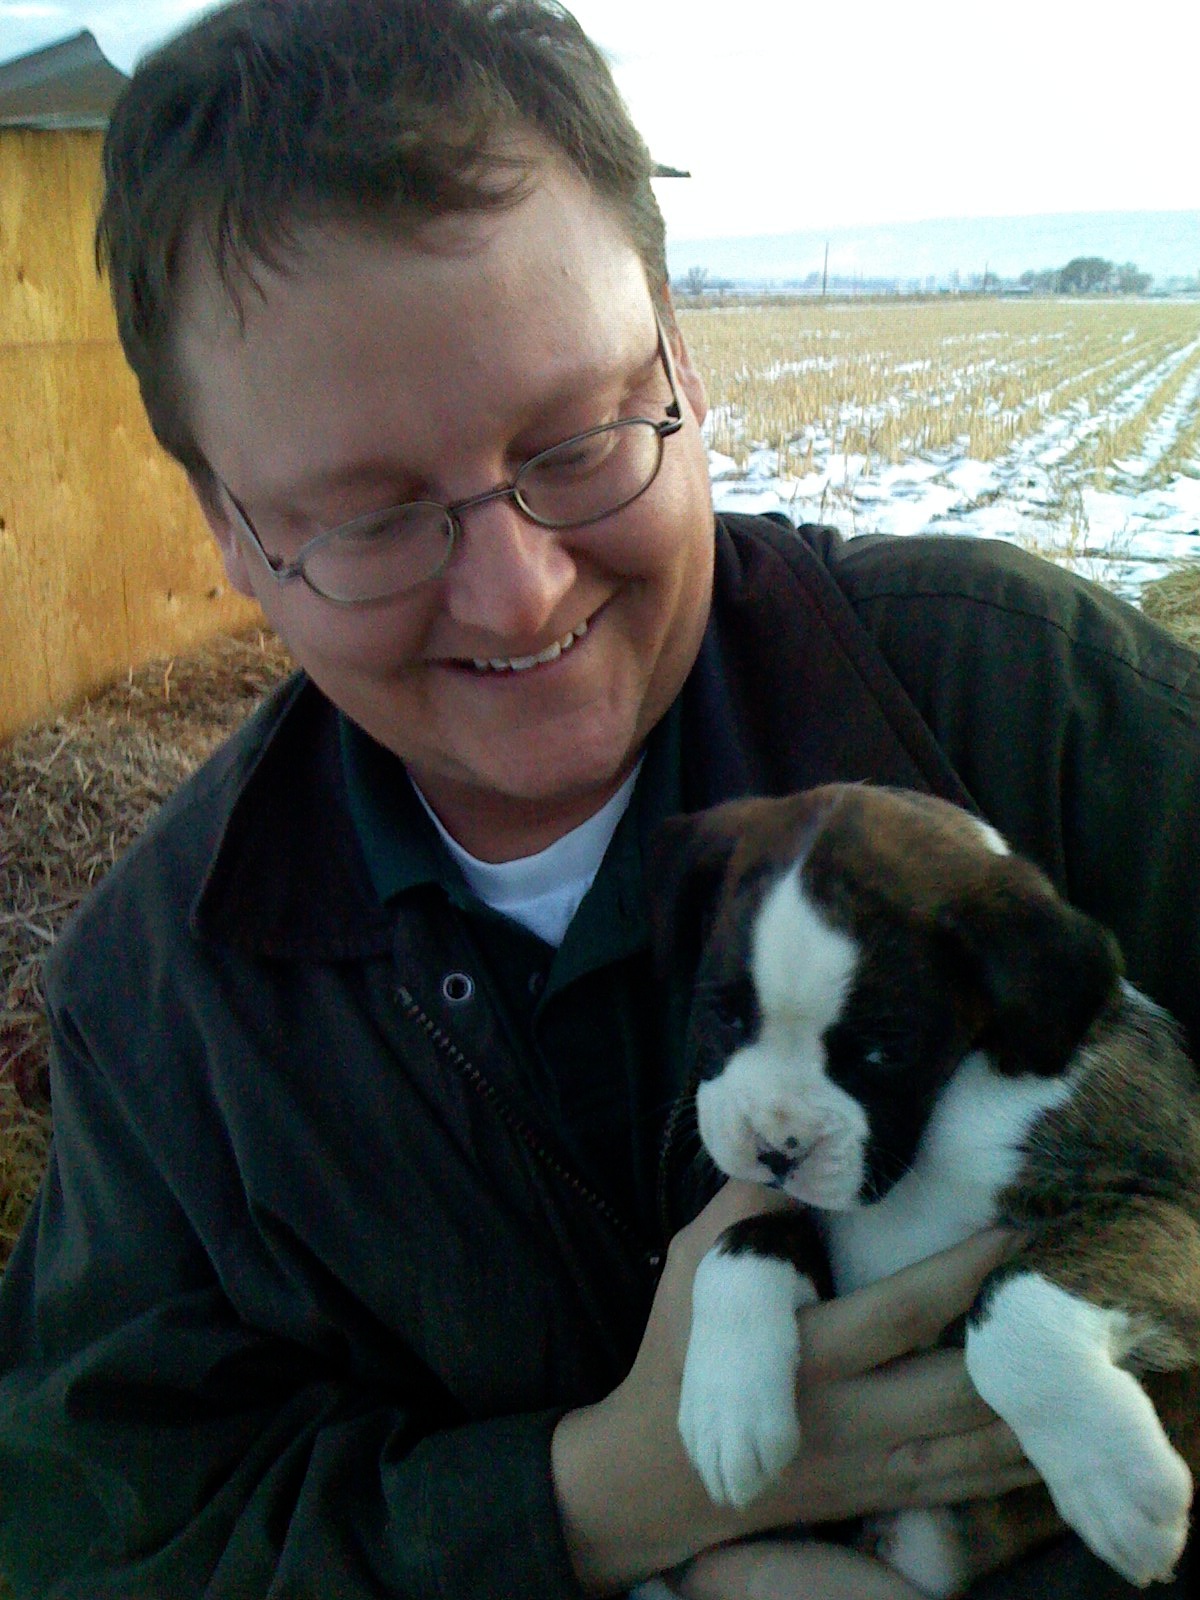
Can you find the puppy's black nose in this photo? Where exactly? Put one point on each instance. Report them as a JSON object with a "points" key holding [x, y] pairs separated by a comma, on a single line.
{"points": [[778, 1163]]}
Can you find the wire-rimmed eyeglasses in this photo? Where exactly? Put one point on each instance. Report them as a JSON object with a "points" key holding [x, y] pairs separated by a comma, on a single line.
{"points": [[582, 479]]}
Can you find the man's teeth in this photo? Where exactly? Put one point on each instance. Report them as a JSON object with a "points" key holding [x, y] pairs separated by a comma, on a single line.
{"points": [[523, 663]]}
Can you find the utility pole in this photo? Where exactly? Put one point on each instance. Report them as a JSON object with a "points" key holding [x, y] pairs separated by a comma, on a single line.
{"points": [[825, 270]]}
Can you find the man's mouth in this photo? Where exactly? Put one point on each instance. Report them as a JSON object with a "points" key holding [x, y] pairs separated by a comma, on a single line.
{"points": [[543, 657]]}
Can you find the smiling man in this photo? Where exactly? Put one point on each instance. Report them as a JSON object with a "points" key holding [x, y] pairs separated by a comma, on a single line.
{"points": [[364, 1260], [520, 668]]}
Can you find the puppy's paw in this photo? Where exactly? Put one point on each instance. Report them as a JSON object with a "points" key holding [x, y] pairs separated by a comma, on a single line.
{"points": [[924, 1546], [1046, 1360], [1126, 1492], [739, 1434], [737, 1404]]}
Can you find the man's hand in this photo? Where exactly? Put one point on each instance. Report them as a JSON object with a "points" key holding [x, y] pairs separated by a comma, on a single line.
{"points": [[798, 1569], [882, 1426]]}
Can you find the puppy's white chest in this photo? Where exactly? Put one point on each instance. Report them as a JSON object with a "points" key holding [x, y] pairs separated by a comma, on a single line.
{"points": [[971, 1150]]}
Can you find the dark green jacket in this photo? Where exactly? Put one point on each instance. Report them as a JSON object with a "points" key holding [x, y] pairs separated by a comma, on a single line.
{"points": [[309, 1283]]}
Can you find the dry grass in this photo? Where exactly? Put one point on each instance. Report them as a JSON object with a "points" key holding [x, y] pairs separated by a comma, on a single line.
{"points": [[1175, 602], [74, 792]]}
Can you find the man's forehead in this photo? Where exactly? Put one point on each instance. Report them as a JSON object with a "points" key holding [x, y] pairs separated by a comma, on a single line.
{"points": [[423, 314], [569, 234], [219, 295], [360, 352]]}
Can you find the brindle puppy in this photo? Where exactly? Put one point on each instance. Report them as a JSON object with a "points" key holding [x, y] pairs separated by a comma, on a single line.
{"points": [[900, 1024]]}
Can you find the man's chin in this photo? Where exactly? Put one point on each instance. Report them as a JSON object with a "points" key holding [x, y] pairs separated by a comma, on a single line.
{"points": [[511, 809]]}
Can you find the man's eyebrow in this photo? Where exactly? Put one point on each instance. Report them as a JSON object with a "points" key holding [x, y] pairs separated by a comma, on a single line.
{"points": [[298, 504]]}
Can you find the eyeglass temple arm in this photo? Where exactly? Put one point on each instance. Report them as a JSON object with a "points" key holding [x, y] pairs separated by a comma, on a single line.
{"points": [[674, 407]]}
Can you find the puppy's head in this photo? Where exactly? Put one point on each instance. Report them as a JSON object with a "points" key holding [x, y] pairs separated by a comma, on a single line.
{"points": [[851, 945]]}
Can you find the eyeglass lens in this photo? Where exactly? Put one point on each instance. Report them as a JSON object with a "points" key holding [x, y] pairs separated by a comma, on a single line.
{"points": [[578, 481]]}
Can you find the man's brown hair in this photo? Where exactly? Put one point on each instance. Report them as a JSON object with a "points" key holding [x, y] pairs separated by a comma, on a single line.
{"points": [[269, 115]]}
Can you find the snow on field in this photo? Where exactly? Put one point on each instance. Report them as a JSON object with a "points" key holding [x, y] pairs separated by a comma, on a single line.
{"points": [[1123, 526], [1122, 537]]}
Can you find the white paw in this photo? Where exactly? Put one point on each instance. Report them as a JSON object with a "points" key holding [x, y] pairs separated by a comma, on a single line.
{"points": [[737, 1403], [1047, 1361], [925, 1547], [1123, 1488]]}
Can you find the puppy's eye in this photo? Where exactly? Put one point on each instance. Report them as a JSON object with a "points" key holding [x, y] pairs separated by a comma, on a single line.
{"points": [[733, 1008], [859, 1057], [880, 1059]]}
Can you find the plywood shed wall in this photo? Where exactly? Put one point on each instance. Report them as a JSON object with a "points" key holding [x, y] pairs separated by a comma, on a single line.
{"points": [[105, 561]]}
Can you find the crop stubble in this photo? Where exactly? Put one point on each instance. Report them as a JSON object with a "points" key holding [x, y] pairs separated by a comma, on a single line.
{"points": [[893, 381]]}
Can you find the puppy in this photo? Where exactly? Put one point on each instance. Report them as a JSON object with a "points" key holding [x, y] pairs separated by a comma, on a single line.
{"points": [[900, 1024]]}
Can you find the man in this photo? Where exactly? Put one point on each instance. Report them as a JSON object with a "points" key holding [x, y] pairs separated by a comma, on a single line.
{"points": [[350, 1275]]}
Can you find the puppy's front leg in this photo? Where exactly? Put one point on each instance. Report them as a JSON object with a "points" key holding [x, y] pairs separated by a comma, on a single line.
{"points": [[1049, 1362], [737, 1404]]}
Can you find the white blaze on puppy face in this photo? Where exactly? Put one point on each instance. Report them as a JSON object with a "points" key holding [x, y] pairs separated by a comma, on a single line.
{"points": [[773, 1114]]}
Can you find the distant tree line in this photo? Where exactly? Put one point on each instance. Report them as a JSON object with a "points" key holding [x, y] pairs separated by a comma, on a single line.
{"points": [[1084, 275], [699, 281], [1088, 275]]}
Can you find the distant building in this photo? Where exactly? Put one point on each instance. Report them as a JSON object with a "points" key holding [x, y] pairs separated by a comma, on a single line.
{"points": [[68, 85]]}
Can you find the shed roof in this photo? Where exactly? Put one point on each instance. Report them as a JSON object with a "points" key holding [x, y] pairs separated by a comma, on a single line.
{"points": [[71, 84]]}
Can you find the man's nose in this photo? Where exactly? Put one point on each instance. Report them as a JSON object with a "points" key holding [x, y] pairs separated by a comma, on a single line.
{"points": [[508, 575]]}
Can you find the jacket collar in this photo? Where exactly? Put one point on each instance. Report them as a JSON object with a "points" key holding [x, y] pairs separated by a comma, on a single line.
{"points": [[829, 708], [287, 877]]}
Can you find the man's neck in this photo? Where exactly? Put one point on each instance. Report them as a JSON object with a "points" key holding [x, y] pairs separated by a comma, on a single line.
{"points": [[497, 827]]}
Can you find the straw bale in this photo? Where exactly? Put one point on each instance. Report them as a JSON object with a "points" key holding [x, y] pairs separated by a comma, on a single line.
{"points": [[1175, 602], [75, 791]]}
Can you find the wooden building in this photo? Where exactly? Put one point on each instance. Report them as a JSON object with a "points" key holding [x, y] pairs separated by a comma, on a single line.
{"points": [[105, 561]]}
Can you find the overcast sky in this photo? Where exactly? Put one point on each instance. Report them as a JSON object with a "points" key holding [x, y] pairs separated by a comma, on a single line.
{"points": [[792, 115]]}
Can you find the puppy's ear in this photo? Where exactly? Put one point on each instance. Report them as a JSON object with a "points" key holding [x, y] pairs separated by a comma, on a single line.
{"points": [[686, 867], [1045, 969]]}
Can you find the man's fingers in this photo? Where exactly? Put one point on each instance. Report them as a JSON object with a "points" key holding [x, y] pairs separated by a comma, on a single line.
{"points": [[791, 1569], [821, 1487], [922, 1397], [960, 1466], [852, 1334]]}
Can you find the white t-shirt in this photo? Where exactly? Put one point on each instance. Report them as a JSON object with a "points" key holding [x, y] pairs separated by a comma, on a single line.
{"points": [[542, 892]]}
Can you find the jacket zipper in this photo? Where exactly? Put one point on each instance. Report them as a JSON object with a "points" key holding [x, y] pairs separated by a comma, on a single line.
{"points": [[499, 1102], [673, 1133]]}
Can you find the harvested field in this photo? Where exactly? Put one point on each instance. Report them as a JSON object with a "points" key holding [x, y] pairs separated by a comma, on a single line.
{"points": [[74, 792], [1072, 427]]}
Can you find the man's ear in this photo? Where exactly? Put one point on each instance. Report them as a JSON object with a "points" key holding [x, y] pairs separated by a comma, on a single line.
{"points": [[691, 384], [1045, 968], [225, 531]]}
